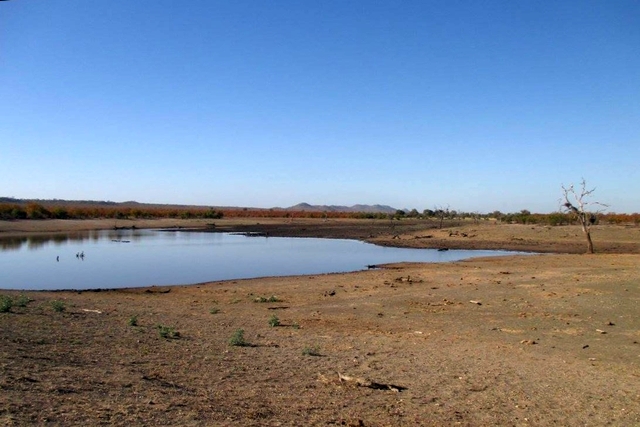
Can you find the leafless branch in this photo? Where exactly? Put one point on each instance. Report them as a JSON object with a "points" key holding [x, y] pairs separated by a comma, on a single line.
{"points": [[579, 208]]}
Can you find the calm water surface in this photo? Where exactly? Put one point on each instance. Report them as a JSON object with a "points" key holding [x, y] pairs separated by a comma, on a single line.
{"points": [[131, 258]]}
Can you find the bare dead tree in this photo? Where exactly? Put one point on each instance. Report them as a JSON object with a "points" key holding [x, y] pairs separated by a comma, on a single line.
{"points": [[576, 203], [476, 217], [441, 214]]}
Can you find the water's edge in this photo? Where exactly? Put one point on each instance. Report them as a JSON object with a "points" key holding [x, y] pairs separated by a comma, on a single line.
{"points": [[110, 259]]}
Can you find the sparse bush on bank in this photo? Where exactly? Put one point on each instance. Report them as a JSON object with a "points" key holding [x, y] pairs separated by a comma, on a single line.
{"points": [[272, 298], [22, 301], [274, 321], [133, 321], [5, 303], [237, 339], [58, 306], [168, 332], [311, 351]]}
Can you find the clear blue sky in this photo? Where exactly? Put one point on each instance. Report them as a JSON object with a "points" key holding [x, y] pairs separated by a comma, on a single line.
{"points": [[479, 105]]}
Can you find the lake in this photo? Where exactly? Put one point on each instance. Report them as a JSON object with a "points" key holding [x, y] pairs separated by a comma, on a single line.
{"points": [[136, 258]]}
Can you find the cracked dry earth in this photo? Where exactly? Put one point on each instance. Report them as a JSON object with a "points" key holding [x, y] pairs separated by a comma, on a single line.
{"points": [[524, 340]]}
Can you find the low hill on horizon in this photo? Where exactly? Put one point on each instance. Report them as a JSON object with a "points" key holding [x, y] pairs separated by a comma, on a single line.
{"points": [[306, 207]]}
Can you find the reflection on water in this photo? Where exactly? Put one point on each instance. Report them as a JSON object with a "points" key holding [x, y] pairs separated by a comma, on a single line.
{"points": [[38, 241], [129, 258]]}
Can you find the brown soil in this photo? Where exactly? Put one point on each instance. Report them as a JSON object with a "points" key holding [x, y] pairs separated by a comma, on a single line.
{"points": [[549, 339]]}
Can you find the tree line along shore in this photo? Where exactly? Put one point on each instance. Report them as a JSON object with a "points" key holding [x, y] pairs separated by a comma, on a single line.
{"points": [[110, 210]]}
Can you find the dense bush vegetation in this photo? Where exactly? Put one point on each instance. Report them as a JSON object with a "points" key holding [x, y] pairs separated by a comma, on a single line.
{"points": [[560, 218], [91, 210], [39, 211]]}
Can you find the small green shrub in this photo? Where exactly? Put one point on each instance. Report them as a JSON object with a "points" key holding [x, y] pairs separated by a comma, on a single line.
{"points": [[22, 301], [295, 325], [311, 351], [133, 321], [237, 339], [168, 332], [272, 298], [5, 304], [274, 321], [58, 306], [214, 310]]}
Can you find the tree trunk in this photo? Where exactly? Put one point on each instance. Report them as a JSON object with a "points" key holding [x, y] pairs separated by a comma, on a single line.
{"points": [[589, 243], [587, 233]]}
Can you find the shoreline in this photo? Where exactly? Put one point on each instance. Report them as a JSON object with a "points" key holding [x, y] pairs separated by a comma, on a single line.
{"points": [[405, 234], [130, 276]]}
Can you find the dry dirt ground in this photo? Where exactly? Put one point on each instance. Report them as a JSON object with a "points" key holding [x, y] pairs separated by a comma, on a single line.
{"points": [[548, 339]]}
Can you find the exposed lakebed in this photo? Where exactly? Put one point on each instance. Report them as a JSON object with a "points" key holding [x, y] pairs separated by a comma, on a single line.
{"points": [[136, 258]]}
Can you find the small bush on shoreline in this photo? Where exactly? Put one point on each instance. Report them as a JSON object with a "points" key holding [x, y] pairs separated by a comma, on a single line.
{"points": [[22, 301], [237, 339], [272, 298], [168, 332], [58, 306], [311, 351], [274, 321], [133, 321], [5, 304]]}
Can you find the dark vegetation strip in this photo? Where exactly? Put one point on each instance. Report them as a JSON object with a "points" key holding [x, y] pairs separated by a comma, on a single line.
{"points": [[130, 210]]}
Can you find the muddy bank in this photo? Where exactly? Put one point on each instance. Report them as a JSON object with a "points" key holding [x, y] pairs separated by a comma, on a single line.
{"points": [[455, 235]]}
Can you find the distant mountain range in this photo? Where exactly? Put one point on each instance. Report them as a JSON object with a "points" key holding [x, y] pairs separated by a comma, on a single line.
{"points": [[306, 207]]}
